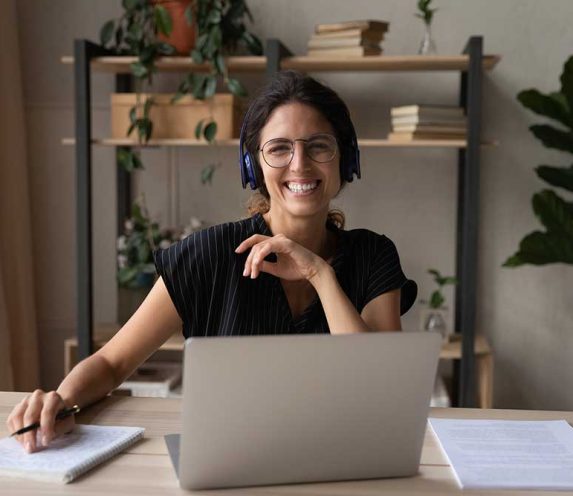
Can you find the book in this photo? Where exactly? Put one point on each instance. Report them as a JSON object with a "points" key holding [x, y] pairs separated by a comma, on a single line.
{"points": [[400, 136], [448, 120], [344, 52], [427, 110], [365, 34], [339, 42], [508, 454], [425, 128], [67, 456], [153, 379], [344, 25]]}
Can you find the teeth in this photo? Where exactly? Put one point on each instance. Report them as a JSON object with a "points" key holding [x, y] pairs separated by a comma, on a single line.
{"points": [[298, 188]]}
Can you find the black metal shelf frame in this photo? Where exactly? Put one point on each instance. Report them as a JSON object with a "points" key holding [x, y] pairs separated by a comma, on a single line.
{"points": [[470, 96]]}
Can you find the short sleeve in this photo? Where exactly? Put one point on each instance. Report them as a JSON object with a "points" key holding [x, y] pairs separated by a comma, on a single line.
{"points": [[176, 266], [386, 273]]}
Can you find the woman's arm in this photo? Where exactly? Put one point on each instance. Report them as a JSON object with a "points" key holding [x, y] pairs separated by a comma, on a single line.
{"points": [[90, 380], [294, 262], [380, 314]]}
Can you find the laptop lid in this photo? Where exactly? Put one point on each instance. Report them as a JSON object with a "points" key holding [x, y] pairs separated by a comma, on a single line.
{"points": [[260, 410]]}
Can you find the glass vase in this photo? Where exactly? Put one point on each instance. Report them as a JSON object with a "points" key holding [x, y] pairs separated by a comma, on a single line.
{"points": [[427, 46]]}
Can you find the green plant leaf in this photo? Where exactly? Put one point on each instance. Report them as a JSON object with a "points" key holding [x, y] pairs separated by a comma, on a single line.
{"points": [[189, 14], [197, 56], [540, 248], [106, 32], [210, 86], [450, 280], [214, 16], [207, 174], [436, 299], [147, 106], [553, 138], [124, 159], [561, 177], [544, 105], [567, 81], [199, 129], [133, 114], [130, 4], [163, 20], [236, 87], [219, 64], [553, 212], [198, 86], [210, 131], [137, 163], [253, 43], [138, 70], [165, 48], [125, 275]]}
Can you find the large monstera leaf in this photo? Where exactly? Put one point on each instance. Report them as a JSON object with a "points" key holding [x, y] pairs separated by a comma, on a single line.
{"points": [[555, 245]]}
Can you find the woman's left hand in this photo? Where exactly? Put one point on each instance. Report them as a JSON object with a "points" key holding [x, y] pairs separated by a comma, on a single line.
{"points": [[294, 262]]}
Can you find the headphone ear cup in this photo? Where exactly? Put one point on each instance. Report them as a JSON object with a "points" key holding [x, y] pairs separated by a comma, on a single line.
{"points": [[250, 171]]}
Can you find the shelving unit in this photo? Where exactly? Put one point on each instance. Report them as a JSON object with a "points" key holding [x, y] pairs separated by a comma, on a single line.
{"points": [[89, 57]]}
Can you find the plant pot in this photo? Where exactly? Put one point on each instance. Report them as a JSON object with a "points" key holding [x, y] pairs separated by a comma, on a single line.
{"points": [[182, 35], [178, 120], [435, 320]]}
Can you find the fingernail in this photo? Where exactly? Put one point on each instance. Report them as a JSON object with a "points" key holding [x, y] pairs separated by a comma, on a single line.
{"points": [[45, 441], [29, 447]]}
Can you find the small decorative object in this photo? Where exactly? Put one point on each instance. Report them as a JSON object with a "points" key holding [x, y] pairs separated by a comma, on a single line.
{"points": [[555, 244], [426, 13], [135, 267], [434, 317]]}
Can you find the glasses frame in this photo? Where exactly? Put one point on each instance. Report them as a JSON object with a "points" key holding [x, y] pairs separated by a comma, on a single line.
{"points": [[292, 142]]}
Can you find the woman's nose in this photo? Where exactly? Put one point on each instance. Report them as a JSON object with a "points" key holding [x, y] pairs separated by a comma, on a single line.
{"points": [[300, 159]]}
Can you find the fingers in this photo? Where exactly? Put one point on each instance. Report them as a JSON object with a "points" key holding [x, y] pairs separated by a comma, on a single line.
{"points": [[53, 403], [38, 407], [256, 259], [31, 415], [250, 241]]}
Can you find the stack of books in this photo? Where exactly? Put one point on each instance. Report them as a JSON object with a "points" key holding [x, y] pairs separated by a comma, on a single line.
{"points": [[347, 39], [426, 122]]}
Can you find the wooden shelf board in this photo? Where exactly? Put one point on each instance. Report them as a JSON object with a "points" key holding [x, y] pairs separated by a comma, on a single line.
{"points": [[367, 143], [254, 64], [452, 350], [121, 64]]}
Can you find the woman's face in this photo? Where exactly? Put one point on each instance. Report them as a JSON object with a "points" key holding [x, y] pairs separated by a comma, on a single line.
{"points": [[304, 187]]}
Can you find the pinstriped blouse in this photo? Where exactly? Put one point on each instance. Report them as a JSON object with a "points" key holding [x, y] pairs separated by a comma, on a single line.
{"points": [[203, 275]]}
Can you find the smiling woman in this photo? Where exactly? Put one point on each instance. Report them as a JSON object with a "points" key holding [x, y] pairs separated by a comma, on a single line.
{"points": [[290, 268]]}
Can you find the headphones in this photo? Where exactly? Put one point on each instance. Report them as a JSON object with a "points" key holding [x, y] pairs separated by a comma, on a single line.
{"points": [[349, 158]]}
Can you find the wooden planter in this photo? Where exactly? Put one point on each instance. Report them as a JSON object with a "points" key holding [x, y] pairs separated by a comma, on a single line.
{"points": [[178, 120]]}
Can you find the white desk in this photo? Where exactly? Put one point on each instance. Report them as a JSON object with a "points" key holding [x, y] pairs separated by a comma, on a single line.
{"points": [[146, 469]]}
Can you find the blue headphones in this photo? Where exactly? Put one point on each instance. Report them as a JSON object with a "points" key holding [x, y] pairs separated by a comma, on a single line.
{"points": [[349, 159]]}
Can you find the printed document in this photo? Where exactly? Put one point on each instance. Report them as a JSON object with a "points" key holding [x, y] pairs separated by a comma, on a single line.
{"points": [[508, 454]]}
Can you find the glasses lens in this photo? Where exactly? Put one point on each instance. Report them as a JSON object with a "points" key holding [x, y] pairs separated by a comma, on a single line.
{"points": [[277, 152], [321, 148]]}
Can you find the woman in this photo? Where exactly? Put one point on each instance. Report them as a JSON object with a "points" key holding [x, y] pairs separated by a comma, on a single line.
{"points": [[289, 268]]}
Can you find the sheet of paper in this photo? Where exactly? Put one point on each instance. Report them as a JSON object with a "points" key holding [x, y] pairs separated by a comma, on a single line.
{"points": [[506, 454]]}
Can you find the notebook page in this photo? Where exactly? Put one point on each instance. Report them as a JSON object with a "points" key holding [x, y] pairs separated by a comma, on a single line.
{"points": [[67, 456], [508, 454]]}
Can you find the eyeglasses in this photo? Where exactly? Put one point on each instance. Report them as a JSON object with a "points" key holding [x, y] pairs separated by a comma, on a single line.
{"points": [[279, 152]]}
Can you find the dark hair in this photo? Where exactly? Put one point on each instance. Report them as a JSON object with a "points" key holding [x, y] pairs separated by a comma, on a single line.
{"points": [[288, 87]]}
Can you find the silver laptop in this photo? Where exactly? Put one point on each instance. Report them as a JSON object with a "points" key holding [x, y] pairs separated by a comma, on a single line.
{"points": [[261, 410]]}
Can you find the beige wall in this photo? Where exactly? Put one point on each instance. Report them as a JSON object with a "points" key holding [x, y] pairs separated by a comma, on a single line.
{"points": [[407, 194]]}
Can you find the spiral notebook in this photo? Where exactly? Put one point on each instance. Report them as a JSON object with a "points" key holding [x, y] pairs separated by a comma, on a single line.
{"points": [[68, 456]]}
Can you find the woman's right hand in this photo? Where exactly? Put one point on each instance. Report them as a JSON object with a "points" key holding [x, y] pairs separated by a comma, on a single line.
{"points": [[39, 407]]}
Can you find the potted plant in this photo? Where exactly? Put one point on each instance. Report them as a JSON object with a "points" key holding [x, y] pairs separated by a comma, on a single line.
{"points": [[135, 268], [435, 315], [220, 30], [555, 244], [426, 13]]}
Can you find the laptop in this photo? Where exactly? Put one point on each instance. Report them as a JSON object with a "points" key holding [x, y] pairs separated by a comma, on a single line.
{"points": [[265, 410]]}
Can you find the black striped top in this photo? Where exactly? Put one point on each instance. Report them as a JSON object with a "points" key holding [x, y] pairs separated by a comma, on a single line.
{"points": [[203, 275]]}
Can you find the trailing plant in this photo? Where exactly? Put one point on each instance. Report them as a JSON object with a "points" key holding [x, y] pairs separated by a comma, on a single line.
{"points": [[136, 33], [437, 299], [220, 31], [141, 237], [555, 244]]}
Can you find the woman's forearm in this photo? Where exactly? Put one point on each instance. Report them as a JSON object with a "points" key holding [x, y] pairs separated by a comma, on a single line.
{"points": [[89, 381], [341, 315]]}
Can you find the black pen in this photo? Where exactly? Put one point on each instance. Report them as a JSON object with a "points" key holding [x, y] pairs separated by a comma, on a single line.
{"points": [[62, 414]]}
